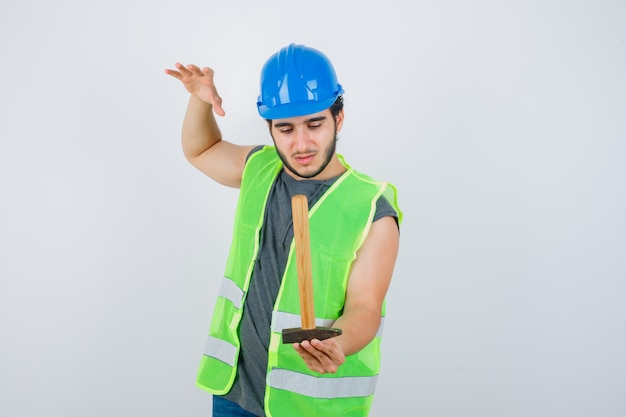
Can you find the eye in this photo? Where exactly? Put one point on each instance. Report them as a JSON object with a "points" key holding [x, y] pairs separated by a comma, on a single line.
{"points": [[314, 125]]}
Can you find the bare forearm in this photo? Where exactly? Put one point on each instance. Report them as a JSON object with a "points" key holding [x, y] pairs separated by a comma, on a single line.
{"points": [[200, 130], [359, 326]]}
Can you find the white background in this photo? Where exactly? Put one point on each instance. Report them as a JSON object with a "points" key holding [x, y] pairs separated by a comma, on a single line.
{"points": [[503, 124]]}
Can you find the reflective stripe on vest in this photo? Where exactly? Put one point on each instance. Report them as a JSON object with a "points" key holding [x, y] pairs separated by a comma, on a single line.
{"points": [[230, 291], [318, 387], [221, 350], [218, 348]]}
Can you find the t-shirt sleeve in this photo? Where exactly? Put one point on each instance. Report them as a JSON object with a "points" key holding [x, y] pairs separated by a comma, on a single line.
{"points": [[255, 149], [384, 209]]}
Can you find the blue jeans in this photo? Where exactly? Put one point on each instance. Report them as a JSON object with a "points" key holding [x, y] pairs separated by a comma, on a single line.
{"points": [[224, 408]]}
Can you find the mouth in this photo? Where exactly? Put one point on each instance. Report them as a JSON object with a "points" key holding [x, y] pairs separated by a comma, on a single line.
{"points": [[304, 159]]}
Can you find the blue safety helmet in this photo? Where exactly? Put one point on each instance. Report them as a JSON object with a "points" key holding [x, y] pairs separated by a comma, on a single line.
{"points": [[296, 81]]}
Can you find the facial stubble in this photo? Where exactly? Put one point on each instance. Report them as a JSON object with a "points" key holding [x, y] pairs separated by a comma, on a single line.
{"points": [[330, 152]]}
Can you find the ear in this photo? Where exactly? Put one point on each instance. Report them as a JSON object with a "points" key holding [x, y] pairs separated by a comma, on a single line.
{"points": [[339, 120]]}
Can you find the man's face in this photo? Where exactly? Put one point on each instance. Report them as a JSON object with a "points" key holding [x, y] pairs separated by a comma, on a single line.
{"points": [[306, 144]]}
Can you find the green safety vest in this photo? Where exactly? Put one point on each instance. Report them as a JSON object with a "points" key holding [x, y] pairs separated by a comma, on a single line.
{"points": [[339, 223]]}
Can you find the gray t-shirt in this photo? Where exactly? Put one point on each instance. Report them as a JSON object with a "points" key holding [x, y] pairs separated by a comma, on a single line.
{"points": [[249, 387]]}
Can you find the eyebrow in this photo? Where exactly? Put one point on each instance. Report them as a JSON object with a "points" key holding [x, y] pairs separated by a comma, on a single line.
{"points": [[311, 120]]}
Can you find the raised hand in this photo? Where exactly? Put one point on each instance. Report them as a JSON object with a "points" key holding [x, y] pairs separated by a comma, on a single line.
{"points": [[199, 82]]}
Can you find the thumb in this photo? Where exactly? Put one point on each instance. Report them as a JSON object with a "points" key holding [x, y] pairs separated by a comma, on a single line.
{"points": [[217, 107]]}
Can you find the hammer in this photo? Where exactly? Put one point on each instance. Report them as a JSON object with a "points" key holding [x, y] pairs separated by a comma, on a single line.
{"points": [[308, 331]]}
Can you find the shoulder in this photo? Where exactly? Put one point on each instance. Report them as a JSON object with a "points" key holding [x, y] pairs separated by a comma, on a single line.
{"points": [[387, 201], [384, 209], [255, 149], [262, 153]]}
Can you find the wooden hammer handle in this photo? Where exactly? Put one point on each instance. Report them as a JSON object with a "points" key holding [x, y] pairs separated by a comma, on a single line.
{"points": [[300, 212]]}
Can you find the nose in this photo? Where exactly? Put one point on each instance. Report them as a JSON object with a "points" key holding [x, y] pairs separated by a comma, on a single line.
{"points": [[301, 139]]}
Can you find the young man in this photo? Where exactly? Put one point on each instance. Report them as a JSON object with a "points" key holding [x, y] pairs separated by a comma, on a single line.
{"points": [[354, 243]]}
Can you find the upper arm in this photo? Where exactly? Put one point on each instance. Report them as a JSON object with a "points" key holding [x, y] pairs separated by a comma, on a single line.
{"points": [[223, 162]]}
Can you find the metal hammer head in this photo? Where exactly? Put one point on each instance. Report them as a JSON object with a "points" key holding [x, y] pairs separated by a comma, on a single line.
{"points": [[298, 334]]}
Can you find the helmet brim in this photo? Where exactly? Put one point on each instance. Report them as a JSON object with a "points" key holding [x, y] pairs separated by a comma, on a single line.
{"points": [[285, 111]]}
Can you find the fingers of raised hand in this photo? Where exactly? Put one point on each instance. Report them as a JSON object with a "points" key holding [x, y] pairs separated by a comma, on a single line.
{"points": [[174, 73], [180, 72], [190, 70], [183, 70], [193, 70]]}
